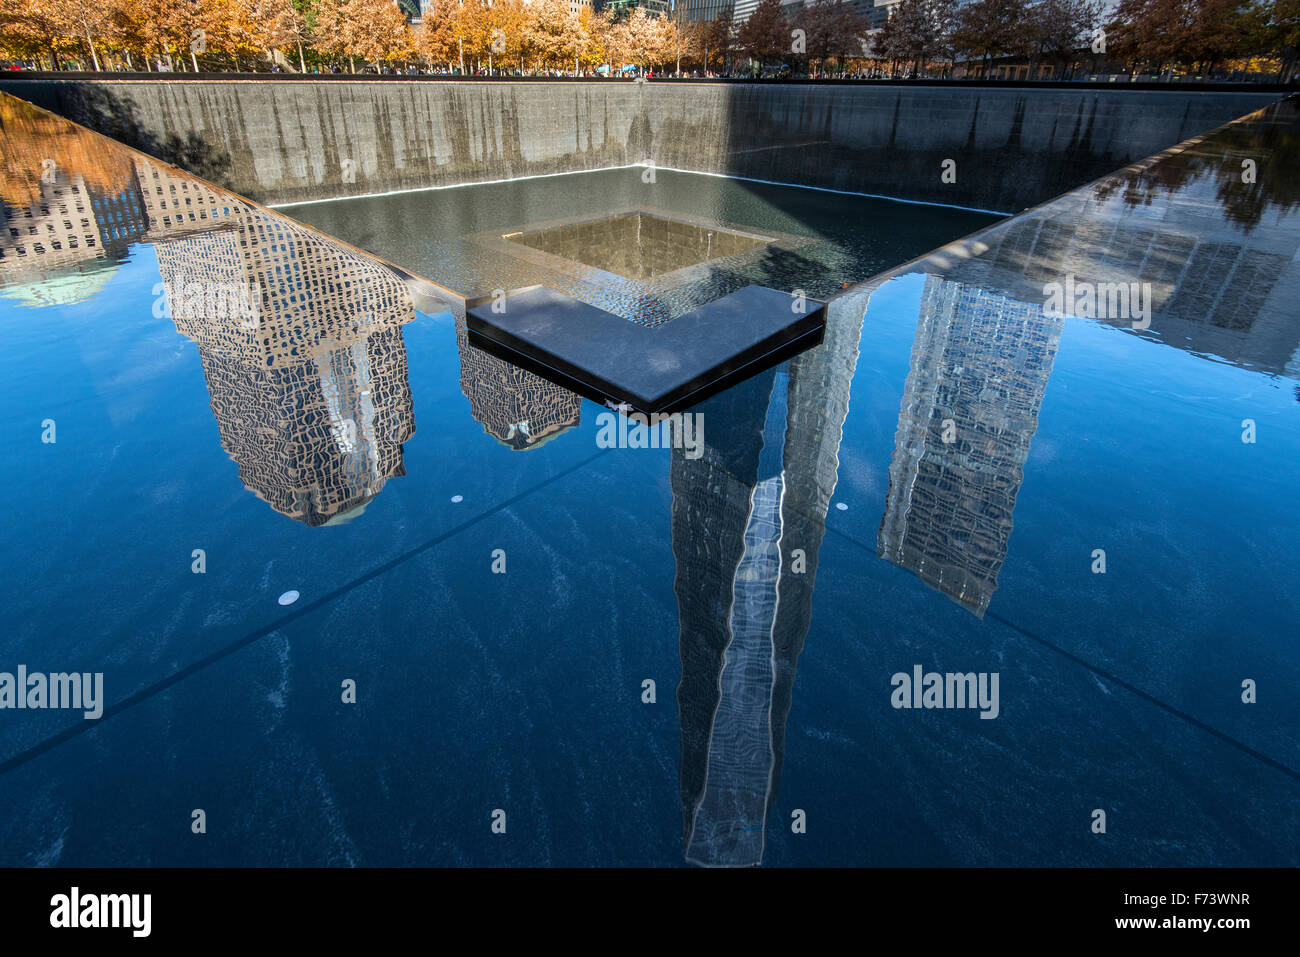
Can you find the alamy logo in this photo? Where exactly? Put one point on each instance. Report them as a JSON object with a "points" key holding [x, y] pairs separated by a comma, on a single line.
{"points": [[208, 300], [75, 909], [1126, 301], [638, 431], [81, 692], [950, 690]]}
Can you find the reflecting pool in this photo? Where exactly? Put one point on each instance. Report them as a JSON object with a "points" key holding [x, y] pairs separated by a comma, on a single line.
{"points": [[647, 656]]}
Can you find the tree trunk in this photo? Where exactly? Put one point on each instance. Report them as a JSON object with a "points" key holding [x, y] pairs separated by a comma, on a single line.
{"points": [[301, 62], [93, 55]]}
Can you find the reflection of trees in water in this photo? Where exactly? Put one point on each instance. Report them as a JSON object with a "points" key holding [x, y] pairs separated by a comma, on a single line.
{"points": [[32, 138], [1276, 150], [1140, 188], [784, 268], [106, 111], [1274, 145]]}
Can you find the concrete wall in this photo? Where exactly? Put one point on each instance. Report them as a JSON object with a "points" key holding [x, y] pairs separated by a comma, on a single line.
{"points": [[1013, 147], [280, 141]]}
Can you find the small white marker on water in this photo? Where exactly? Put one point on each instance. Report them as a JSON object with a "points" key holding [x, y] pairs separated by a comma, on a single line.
{"points": [[458, 498], [289, 597], [841, 506]]}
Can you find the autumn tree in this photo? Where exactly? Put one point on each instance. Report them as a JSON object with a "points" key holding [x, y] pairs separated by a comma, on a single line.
{"points": [[78, 22], [374, 30], [765, 36], [1277, 30], [551, 31], [1164, 33], [644, 38], [505, 26], [719, 40], [176, 31], [1059, 29], [28, 29], [919, 32], [832, 30], [591, 43], [987, 29], [246, 25], [435, 41], [377, 31], [330, 34], [660, 41], [615, 39], [465, 23], [287, 28], [473, 28], [685, 42], [207, 34]]}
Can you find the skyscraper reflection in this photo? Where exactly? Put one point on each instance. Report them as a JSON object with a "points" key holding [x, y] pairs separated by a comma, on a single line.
{"points": [[1220, 286], [519, 409], [979, 370], [307, 378], [309, 384], [748, 517]]}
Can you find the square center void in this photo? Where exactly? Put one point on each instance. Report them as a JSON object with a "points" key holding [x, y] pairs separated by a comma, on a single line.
{"points": [[638, 245]]}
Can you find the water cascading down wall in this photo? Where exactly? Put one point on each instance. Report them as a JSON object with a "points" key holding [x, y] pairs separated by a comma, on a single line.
{"points": [[285, 141]]}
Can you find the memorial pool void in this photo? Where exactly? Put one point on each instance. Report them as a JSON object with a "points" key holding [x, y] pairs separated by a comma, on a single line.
{"points": [[646, 251], [639, 245], [650, 655]]}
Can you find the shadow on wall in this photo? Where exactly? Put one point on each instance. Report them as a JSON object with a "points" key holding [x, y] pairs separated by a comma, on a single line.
{"points": [[965, 149], [996, 150], [101, 109], [278, 142]]}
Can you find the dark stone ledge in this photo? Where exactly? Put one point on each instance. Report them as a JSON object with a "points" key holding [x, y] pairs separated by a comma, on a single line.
{"points": [[652, 370]]}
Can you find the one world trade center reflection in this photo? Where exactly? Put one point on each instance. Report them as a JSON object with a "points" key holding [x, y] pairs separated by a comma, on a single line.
{"points": [[748, 517]]}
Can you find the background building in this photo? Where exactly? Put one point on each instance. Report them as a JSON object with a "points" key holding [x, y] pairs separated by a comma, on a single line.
{"points": [[875, 12], [621, 8]]}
